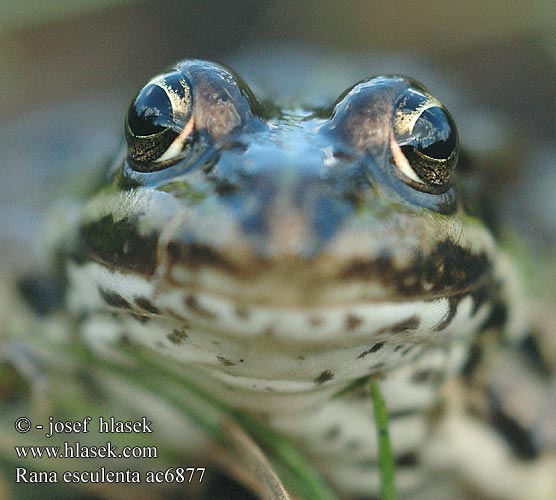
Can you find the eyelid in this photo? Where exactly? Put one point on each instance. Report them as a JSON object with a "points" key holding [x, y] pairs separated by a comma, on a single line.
{"points": [[175, 149], [401, 161]]}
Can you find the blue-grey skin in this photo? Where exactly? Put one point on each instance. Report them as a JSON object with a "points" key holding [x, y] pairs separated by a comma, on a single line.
{"points": [[323, 168], [286, 255]]}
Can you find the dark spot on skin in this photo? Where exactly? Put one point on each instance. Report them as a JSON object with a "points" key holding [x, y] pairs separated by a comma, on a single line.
{"points": [[406, 460], [352, 322], [325, 376], [241, 360], [397, 348], [141, 318], [269, 331], [521, 440], [315, 321], [114, 299], [480, 296], [195, 256], [531, 349], [378, 366], [375, 348], [118, 244], [408, 349], [177, 336], [193, 304], [474, 361], [411, 323], [332, 433], [301, 358], [497, 318], [428, 376], [225, 361], [449, 268], [406, 412], [147, 305], [241, 311]]}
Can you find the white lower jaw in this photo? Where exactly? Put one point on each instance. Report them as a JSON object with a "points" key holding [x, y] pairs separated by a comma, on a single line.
{"points": [[288, 350]]}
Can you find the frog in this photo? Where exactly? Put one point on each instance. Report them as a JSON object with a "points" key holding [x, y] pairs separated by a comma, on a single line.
{"points": [[288, 254]]}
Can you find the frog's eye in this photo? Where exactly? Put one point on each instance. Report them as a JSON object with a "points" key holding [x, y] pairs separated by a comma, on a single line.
{"points": [[425, 143], [159, 122]]}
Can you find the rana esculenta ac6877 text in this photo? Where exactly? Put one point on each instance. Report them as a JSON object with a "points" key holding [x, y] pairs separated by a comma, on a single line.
{"points": [[286, 254]]}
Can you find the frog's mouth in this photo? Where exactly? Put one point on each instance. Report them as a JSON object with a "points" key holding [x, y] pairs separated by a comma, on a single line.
{"points": [[291, 280], [327, 279]]}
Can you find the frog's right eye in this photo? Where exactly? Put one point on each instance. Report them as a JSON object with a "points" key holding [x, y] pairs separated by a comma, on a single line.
{"points": [[159, 122], [425, 142]]}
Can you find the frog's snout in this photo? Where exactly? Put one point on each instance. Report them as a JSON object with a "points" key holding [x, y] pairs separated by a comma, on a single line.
{"points": [[289, 201]]}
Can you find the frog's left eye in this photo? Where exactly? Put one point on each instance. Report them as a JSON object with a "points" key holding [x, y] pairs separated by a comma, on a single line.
{"points": [[425, 143], [159, 122]]}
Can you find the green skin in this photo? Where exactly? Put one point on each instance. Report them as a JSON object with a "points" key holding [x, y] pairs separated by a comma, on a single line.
{"points": [[286, 255]]}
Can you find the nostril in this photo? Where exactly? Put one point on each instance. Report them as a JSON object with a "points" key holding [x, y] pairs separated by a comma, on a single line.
{"points": [[224, 187], [233, 145], [342, 154]]}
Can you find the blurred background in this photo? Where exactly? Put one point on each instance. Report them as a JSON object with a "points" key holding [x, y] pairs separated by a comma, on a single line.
{"points": [[52, 51]]}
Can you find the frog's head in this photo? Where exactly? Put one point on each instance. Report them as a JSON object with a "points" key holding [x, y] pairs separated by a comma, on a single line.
{"points": [[356, 202]]}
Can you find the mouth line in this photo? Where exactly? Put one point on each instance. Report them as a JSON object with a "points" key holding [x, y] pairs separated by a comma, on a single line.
{"points": [[296, 289], [284, 292]]}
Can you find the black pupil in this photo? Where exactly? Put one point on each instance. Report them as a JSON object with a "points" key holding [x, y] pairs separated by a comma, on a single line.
{"points": [[151, 112], [434, 134]]}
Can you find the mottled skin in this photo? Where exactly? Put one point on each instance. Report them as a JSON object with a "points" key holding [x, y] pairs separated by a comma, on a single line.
{"points": [[288, 254]]}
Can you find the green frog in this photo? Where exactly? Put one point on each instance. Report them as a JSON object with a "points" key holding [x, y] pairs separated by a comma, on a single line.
{"points": [[286, 254]]}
